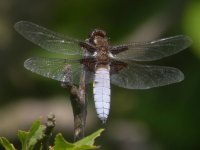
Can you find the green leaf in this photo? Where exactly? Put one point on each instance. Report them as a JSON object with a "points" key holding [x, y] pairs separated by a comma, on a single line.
{"points": [[30, 138], [83, 144], [36, 133], [62, 144], [6, 144], [87, 147], [89, 140], [23, 138]]}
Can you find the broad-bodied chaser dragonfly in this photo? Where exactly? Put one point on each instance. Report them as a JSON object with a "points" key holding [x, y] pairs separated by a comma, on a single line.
{"points": [[104, 63]]}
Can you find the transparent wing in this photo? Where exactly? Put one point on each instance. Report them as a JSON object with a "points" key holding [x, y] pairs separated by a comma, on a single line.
{"points": [[49, 40], [58, 69], [149, 51], [136, 76]]}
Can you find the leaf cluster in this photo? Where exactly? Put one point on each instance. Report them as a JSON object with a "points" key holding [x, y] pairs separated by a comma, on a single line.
{"points": [[36, 139]]}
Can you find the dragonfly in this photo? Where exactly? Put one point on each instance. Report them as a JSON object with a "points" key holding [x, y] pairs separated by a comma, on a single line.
{"points": [[105, 64]]}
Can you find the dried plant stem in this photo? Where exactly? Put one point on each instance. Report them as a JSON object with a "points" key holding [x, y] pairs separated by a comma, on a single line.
{"points": [[79, 106], [50, 124]]}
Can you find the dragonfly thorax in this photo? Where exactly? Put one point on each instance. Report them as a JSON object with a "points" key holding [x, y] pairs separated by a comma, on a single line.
{"points": [[100, 41], [102, 55]]}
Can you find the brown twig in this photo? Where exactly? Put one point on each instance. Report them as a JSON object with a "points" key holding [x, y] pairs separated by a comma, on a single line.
{"points": [[79, 105], [50, 124], [47, 133]]}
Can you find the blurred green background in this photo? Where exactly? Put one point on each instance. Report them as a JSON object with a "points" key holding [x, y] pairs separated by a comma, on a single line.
{"points": [[164, 118]]}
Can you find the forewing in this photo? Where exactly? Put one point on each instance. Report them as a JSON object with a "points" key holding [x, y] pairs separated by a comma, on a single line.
{"points": [[49, 40], [149, 51], [58, 69], [136, 76]]}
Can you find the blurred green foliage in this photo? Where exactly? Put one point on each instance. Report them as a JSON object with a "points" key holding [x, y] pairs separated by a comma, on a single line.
{"points": [[191, 24], [171, 113]]}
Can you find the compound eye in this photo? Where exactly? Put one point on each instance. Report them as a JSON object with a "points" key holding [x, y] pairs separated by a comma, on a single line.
{"points": [[98, 32]]}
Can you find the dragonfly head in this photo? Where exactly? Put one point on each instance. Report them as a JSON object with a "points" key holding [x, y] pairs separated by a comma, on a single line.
{"points": [[98, 32], [98, 37]]}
